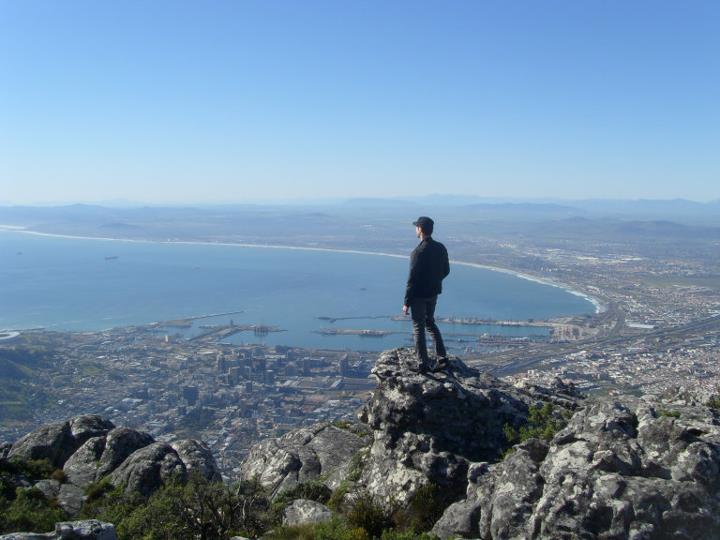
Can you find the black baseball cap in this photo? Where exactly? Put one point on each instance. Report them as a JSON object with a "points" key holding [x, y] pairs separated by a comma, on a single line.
{"points": [[423, 222]]}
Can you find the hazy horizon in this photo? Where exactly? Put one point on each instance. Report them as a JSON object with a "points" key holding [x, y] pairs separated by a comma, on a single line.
{"points": [[441, 199]]}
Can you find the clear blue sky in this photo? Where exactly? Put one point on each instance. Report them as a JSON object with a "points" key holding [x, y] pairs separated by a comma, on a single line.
{"points": [[231, 101]]}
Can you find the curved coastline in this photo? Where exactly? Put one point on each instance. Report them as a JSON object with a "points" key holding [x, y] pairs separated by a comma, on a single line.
{"points": [[599, 307]]}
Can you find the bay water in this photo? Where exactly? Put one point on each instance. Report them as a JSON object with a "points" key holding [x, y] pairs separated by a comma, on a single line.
{"points": [[84, 284]]}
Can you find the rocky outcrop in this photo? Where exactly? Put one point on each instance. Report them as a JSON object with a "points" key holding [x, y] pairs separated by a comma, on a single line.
{"points": [[147, 469], [91, 529], [102, 455], [432, 428], [322, 451], [629, 468], [197, 458], [119, 445], [620, 468], [303, 511], [54, 442], [89, 448], [81, 467], [87, 426], [57, 442]]}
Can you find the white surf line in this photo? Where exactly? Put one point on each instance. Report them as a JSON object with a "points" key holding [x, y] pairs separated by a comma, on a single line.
{"points": [[599, 307]]}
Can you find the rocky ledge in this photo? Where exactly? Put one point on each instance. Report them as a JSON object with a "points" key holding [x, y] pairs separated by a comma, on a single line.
{"points": [[88, 449], [71, 530], [621, 467]]}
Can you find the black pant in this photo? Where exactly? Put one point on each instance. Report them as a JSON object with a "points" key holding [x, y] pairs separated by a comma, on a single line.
{"points": [[423, 315]]}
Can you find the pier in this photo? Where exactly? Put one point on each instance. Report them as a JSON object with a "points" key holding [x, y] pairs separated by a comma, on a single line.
{"points": [[227, 330], [355, 332]]}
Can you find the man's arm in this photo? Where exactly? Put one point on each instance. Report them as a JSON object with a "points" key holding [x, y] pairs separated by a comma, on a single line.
{"points": [[412, 279], [446, 262]]}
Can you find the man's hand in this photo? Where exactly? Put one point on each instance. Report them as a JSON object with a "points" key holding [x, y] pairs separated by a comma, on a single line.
{"points": [[406, 309]]}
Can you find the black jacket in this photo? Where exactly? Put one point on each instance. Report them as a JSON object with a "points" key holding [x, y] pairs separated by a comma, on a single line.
{"points": [[429, 265]]}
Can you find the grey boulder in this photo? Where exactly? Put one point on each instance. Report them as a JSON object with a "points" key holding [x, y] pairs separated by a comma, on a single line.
{"points": [[91, 529], [302, 455], [71, 498], [81, 467], [197, 457], [119, 444], [149, 468], [101, 455], [53, 442], [89, 425], [57, 442], [619, 469], [49, 488], [431, 428]]}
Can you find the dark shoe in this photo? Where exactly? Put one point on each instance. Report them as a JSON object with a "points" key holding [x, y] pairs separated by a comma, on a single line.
{"points": [[442, 363]]}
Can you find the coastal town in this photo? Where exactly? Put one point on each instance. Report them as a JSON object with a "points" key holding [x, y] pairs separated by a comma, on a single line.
{"points": [[656, 327], [227, 395]]}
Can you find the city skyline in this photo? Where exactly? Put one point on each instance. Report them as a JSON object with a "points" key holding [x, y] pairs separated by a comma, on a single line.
{"points": [[274, 102]]}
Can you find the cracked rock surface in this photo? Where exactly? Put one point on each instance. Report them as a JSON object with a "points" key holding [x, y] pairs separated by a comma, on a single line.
{"points": [[621, 469], [89, 448], [435, 428], [323, 451]]}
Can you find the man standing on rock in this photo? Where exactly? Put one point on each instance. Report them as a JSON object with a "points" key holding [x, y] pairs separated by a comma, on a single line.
{"points": [[429, 265]]}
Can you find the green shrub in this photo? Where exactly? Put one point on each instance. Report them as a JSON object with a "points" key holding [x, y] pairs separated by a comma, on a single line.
{"points": [[98, 489], [196, 509], [542, 423], [367, 513], [357, 464], [313, 490], [109, 503], [33, 469], [423, 510], [714, 403], [7, 487], [337, 498], [335, 529], [59, 475], [668, 414], [29, 511]]}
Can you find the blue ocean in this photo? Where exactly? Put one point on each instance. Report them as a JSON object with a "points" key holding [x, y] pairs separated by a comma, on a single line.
{"points": [[81, 284]]}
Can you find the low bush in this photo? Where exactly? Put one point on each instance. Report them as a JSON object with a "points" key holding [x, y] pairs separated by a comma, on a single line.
{"points": [[29, 511], [33, 469], [313, 490], [59, 475], [367, 513], [357, 464], [714, 403], [197, 509], [424, 509], [337, 499], [542, 423], [335, 529]]}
